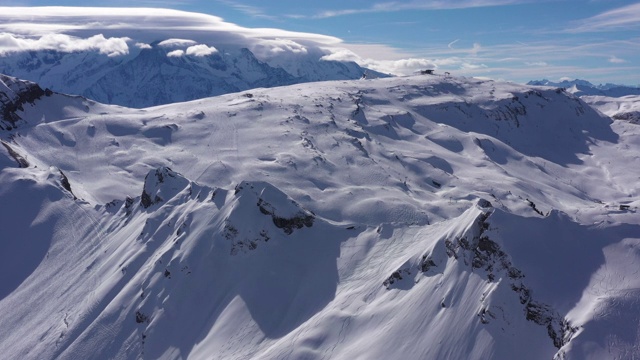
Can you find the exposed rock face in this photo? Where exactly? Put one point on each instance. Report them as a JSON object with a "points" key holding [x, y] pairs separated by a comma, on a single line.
{"points": [[483, 253], [485, 256], [298, 221], [14, 94], [22, 162], [284, 213], [161, 184], [632, 117], [64, 181]]}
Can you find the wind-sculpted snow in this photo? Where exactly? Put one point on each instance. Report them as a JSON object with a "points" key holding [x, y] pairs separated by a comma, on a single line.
{"points": [[416, 218]]}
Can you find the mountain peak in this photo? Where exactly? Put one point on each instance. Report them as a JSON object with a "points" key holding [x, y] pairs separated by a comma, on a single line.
{"points": [[161, 184]]}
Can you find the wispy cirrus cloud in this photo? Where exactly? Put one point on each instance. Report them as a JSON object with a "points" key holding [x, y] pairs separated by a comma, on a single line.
{"points": [[617, 19], [253, 11], [419, 5]]}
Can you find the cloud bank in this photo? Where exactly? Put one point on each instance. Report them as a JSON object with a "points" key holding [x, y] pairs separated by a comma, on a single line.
{"points": [[112, 46], [120, 31], [117, 31]]}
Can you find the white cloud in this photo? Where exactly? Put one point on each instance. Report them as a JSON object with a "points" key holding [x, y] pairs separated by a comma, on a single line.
{"points": [[112, 46], [616, 60], [390, 60], [201, 50], [266, 49], [341, 55], [175, 53], [148, 23], [176, 29], [176, 43], [140, 45], [536, 63], [407, 66], [396, 66]]}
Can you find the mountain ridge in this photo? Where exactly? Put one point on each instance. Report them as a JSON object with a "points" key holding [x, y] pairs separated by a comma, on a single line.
{"points": [[583, 87], [414, 217]]}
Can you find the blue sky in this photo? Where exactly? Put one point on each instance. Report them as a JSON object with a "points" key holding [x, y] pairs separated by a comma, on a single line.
{"points": [[597, 40]]}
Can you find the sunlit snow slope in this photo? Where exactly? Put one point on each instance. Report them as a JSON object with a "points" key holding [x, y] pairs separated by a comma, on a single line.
{"points": [[403, 218]]}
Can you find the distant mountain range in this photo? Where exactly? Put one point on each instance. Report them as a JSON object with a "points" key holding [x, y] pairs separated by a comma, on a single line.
{"points": [[619, 102], [583, 87], [152, 76]]}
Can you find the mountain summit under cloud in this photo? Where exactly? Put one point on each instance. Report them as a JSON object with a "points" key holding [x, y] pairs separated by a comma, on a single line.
{"points": [[140, 59], [169, 71]]}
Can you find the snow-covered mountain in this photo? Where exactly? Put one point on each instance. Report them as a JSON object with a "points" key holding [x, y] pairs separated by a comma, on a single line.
{"points": [[583, 87], [156, 74], [619, 108], [410, 217]]}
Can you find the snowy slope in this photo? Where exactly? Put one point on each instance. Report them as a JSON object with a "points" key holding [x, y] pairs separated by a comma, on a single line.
{"points": [[414, 217], [150, 76], [619, 108]]}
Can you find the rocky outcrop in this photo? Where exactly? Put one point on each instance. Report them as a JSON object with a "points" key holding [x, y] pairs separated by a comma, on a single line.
{"points": [[483, 253], [285, 214], [22, 162], [485, 257], [14, 94], [297, 221], [632, 117], [64, 182], [161, 184]]}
